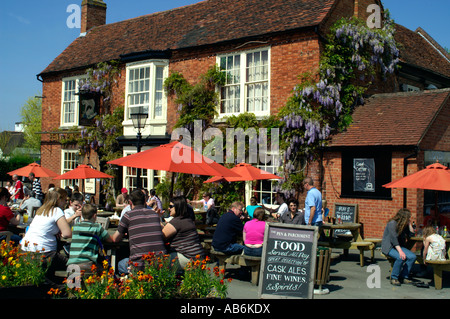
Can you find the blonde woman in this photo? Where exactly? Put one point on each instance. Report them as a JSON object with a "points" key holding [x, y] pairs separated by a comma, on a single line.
{"points": [[433, 244], [48, 223], [397, 231]]}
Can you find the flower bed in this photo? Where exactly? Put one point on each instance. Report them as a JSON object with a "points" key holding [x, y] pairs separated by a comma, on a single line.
{"points": [[158, 280], [20, 268]]}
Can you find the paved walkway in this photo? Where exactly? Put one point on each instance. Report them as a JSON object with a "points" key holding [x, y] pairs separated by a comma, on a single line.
{"points": [[348, 280]]}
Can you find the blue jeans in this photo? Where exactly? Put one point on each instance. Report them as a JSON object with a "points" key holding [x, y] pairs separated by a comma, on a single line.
{"points": [[253, 251], [402, 268], [233, 249]]}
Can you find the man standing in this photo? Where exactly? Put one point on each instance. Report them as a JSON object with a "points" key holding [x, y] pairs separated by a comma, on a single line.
{"points": [[144, 232], [313, 203], [228, 228], [36, 187], [18, 189]]}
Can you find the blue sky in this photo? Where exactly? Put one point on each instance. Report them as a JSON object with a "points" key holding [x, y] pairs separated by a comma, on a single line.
{"points": [[33, 33]]}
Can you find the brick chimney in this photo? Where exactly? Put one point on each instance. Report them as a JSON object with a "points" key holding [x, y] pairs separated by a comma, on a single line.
{"points": [[93, 13]]}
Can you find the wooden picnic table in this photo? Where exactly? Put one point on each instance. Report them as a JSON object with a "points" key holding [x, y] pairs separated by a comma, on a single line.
{"points": [[438, 266], [356, 242]]}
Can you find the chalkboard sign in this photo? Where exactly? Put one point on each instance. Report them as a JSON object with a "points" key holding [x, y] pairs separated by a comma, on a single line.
{"points": [[348, 213], [364, 175], [288, 261]]}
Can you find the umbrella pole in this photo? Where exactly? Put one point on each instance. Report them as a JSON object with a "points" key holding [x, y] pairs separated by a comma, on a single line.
{"points": [[171, 185]]}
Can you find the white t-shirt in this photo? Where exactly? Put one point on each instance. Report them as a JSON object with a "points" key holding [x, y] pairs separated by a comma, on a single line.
{"points": [[42, 232], [69, 212], [283, 209], [206, 203]]}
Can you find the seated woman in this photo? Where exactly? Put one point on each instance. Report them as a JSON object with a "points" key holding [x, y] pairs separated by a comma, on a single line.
{"points": [[46, 225], [181, 232], [7, 216], [253, 233], [397, 231]]}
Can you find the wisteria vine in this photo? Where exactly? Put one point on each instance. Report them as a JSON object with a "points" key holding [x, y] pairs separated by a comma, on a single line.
{"points": [[353, 57]]}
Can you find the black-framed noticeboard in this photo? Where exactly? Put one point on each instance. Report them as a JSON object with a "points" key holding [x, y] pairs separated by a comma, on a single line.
{"points": [[288, 261], [346, 213]]}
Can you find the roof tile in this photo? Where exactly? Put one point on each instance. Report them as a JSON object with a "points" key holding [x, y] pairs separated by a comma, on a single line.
{"points": [[203, 23], [392, 119]]}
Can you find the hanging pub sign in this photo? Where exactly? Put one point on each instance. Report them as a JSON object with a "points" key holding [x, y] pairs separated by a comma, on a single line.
{"points": [[89, 107], [364, 175]]}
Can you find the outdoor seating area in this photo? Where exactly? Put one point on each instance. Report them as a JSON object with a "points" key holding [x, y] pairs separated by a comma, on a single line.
{"points": [[339, 237]]}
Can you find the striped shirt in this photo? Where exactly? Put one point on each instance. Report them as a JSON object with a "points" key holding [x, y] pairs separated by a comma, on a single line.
{"points": [[144, 232], [36, 187], [85, 248], [186, 240]]}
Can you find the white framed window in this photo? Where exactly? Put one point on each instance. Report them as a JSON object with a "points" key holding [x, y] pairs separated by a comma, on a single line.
{"points": [[247, 85], [144, 89], [70, 160], [149, 178], [264, 191], [70, 101]]}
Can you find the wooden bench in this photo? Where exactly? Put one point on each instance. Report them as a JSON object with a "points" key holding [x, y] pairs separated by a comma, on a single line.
{"points": [[359, 245], [241, 260], [438, 267], [223, 258], [375, 241], [255, 263], [207, 245], [7, 235]]}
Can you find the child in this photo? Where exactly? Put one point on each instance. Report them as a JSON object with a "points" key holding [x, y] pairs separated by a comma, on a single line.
{"points": [[433, 245], [73, 213], [84, 248]]}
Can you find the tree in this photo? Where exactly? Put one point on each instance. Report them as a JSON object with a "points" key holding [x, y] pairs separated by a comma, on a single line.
{"points": [[31, 114]]}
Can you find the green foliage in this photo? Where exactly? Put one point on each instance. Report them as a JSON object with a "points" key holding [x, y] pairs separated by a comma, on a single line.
{"points": [[12, 163], [353, 56], [31, 115], [195, 102], [198, 101]]}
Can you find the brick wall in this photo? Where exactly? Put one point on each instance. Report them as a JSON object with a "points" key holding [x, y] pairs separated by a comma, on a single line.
{"points": [[373, 213]]}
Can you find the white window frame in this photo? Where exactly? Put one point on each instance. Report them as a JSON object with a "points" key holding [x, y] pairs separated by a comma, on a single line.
{"points": [[243, 85], [148, 176], [73, 163], [270, 167], [152, 90], [75, 99]]}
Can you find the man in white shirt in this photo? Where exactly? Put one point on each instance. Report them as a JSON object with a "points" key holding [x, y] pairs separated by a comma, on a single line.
{"points": [[280, 210]]}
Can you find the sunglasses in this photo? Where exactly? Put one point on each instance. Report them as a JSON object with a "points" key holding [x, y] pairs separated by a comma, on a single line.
{"points": [[171, 206]]}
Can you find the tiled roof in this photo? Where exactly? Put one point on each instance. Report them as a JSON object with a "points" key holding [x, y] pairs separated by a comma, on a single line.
{"points": [[395, 119], [203, 23], [417, 51]]}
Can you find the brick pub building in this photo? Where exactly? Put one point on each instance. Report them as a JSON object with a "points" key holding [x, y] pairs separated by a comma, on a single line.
{"points": [[284, 39]]}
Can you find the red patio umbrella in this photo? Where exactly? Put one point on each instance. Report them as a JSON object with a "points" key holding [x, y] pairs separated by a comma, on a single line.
{"points": [[246, 172], [35, 168], [174, 157], [83, 172], [434, 177]]}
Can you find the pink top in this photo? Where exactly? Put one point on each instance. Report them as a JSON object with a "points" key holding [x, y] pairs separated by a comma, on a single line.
{"points": [[254, 232]]}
